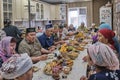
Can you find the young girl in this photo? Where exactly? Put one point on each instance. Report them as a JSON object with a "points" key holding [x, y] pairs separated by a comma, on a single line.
{"points": [[7, 48]]}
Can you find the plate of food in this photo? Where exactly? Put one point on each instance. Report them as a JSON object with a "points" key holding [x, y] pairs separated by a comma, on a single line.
{"points": [[35, 68]]}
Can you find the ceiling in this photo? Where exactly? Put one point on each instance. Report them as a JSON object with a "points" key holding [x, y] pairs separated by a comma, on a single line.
{"points": [[62, 1]]}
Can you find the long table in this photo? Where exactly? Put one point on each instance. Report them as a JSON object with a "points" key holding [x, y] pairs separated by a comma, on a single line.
{"points": [[78, 69]]}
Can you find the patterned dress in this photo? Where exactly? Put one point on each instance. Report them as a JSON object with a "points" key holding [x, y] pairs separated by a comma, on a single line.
{"points": [[106, 75]]}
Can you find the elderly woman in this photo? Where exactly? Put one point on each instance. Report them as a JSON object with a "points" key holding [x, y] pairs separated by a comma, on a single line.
{"points": [[116, 42], [106, 36], [17, 67], [104, 61], [7, 48]]}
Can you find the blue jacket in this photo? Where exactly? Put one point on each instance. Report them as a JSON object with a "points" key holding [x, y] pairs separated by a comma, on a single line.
{"points": [[45, 41]]}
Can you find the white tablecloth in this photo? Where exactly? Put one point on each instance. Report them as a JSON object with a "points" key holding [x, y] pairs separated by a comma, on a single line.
{"points": [[79, 69]]}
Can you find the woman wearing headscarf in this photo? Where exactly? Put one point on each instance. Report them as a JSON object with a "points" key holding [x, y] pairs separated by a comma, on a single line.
{"points": [[102, 26], [17, 67], [116, 42], [105, 62], [7, 48], [106, 36]]}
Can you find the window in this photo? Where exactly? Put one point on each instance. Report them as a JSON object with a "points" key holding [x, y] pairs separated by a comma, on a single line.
{"points": [[77, 15]]}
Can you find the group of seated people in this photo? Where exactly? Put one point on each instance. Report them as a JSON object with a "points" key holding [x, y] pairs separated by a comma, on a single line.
{"points": [[36, 48], [102, 55]]}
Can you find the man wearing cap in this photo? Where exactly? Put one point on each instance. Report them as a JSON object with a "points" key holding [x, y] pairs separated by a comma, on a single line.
{"points": [[31, 45], [47, 39]]}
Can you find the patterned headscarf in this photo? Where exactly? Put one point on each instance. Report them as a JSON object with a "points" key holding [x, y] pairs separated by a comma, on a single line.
{"points": [[103, 55], [16, 66]]}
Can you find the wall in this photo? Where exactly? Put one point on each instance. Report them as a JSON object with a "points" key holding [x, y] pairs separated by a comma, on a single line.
{"points": [[96, 5], [116, 18], [1, 15], [87, 4]]}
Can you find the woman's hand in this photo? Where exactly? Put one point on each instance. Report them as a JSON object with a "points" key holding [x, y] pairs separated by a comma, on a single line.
{"points": [[83, 78], [85, 58]]}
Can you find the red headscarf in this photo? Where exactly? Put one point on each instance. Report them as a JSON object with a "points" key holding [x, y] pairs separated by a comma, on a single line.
{"points": [[108, 34]]}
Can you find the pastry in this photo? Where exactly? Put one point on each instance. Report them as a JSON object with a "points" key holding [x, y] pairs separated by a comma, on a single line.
{"points": [[73, 55], [80, 48], [35, 69]]}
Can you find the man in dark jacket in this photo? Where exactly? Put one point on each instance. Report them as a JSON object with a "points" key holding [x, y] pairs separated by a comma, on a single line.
{"points": [[12, 30]]}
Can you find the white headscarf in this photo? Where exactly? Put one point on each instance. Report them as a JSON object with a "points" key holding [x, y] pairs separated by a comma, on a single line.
{"points": [[103, 55], [16, 66]]}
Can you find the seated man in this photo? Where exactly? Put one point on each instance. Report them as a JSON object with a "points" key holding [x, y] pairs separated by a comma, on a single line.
{"points": [[63, 32], [47, 40], [31, 45]]}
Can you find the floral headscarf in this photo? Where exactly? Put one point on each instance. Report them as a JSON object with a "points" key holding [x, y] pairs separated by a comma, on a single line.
{"points": [[103, 55], [15, 66]]}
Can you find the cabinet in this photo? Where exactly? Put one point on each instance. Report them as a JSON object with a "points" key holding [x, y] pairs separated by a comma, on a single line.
{"points": [[21, 9], [38, 11], [8, 9], [46, 11], [18, 10], [58, 12], [42, 11], [53, 12]]}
